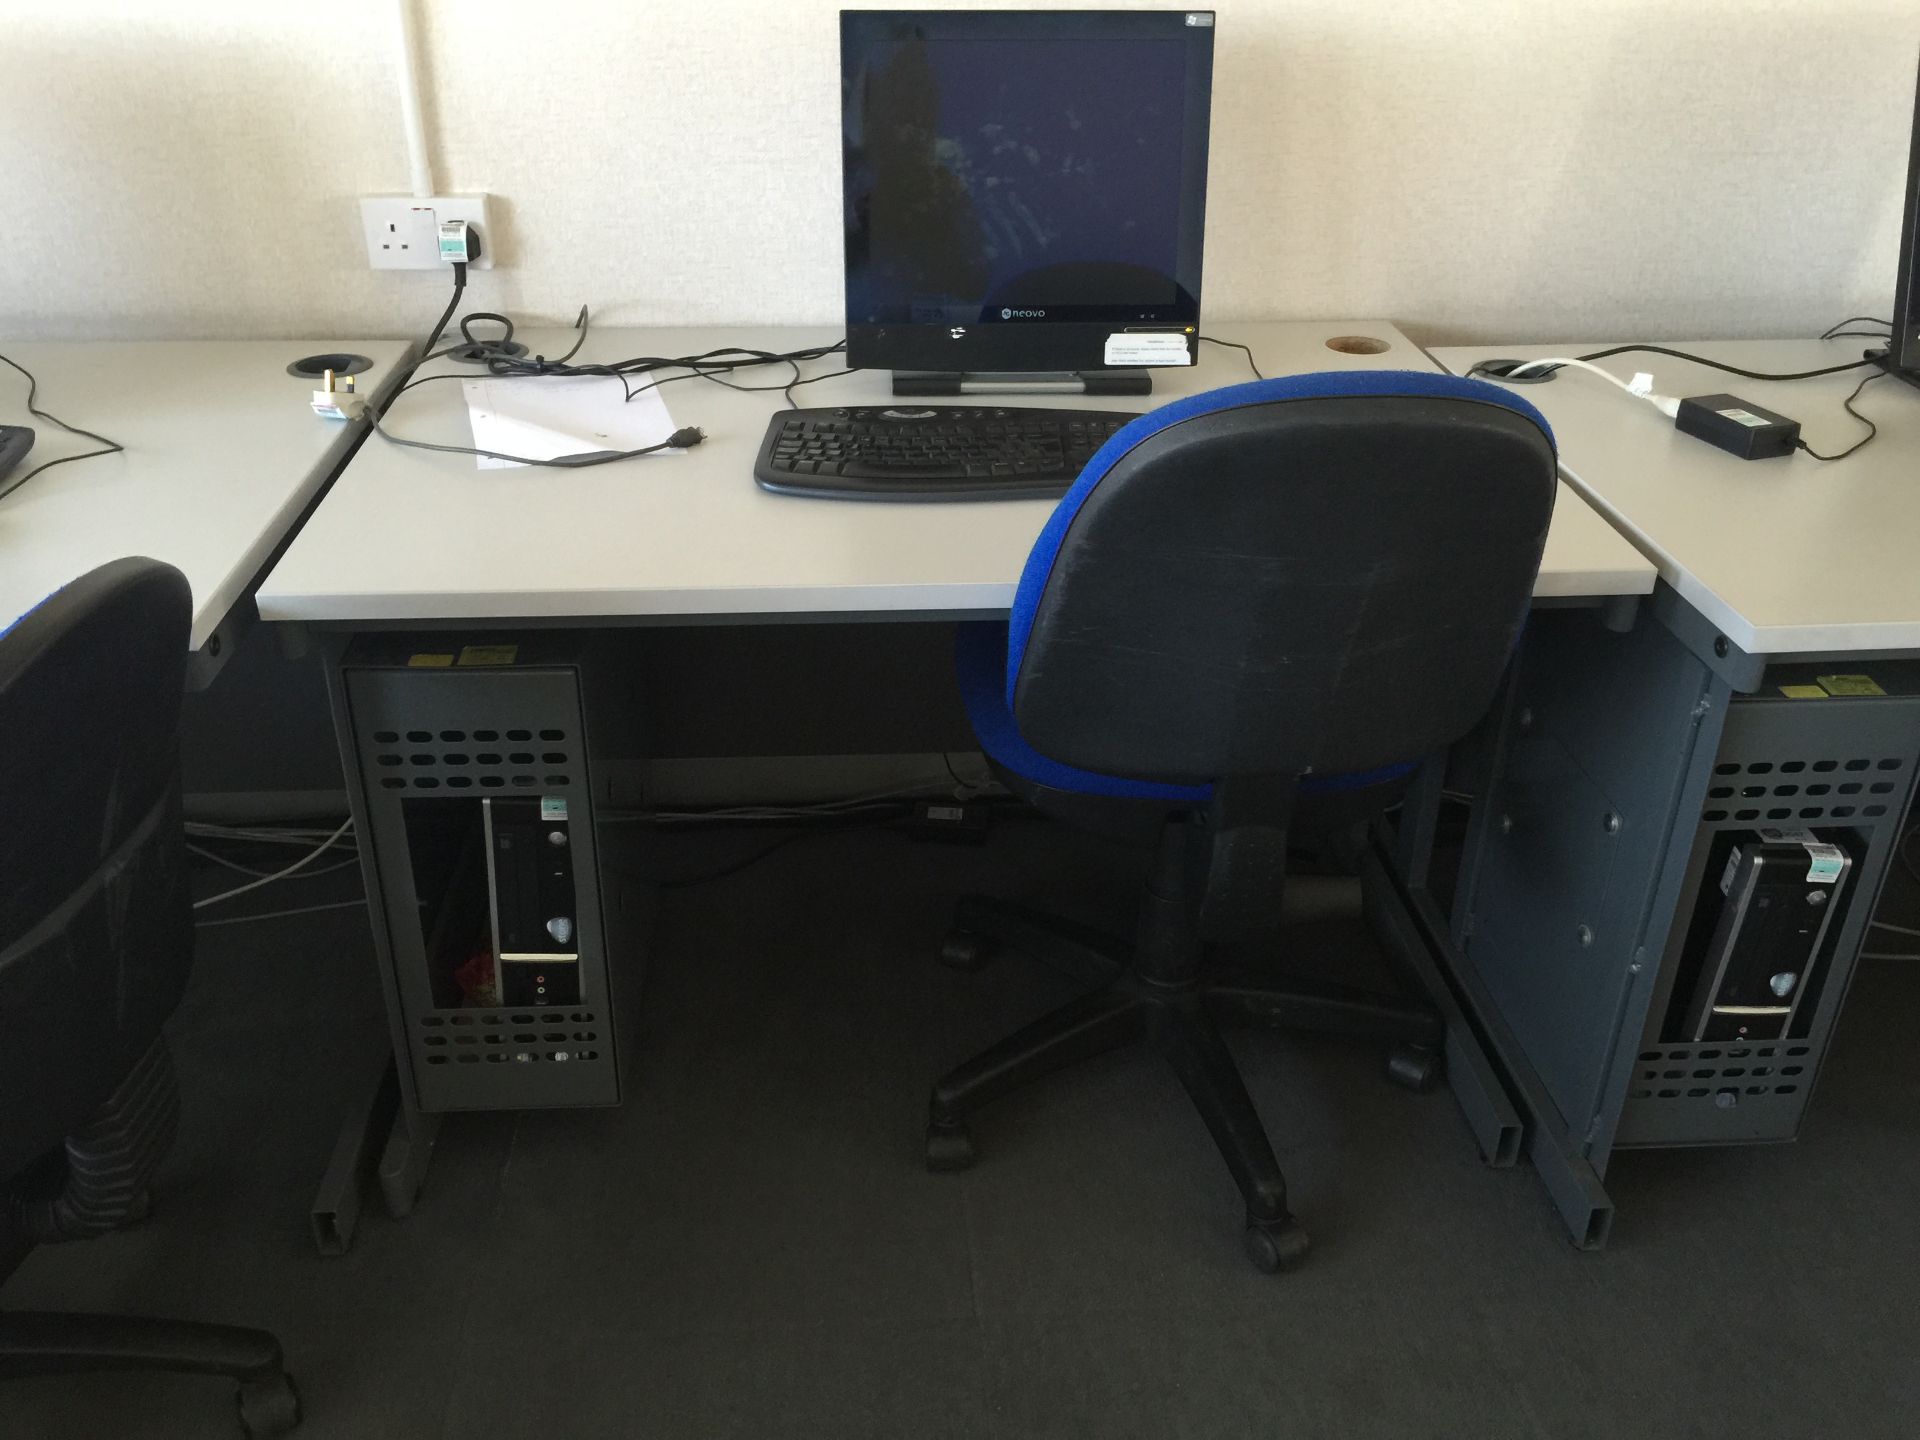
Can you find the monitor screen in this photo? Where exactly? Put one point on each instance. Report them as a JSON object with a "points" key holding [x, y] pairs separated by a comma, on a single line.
{"points": [[1905, 351], [1037, 174]]}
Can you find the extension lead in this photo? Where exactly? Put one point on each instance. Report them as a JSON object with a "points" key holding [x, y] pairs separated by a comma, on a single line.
{"points": [[1641, 386], [1726, 422]]}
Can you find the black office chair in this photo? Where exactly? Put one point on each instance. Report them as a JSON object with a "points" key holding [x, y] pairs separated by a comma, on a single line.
{"points": [[96, 939], [1252, 614]]}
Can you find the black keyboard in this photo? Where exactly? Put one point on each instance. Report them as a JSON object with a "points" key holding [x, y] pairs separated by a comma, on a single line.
{"points": [[931, 452]]}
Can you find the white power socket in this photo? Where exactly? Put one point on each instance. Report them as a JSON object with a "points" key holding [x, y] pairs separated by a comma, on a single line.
{"points": [[401, 230]]}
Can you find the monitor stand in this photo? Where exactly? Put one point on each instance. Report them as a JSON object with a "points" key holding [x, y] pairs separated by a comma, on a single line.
{"points": [[986, 382], [1884, 359]]}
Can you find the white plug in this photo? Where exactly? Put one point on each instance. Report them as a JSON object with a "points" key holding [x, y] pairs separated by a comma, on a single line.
{"points": [[1641, 387], [333, 403]]}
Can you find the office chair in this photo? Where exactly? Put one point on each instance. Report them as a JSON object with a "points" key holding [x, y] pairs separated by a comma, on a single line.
{"points": [[1252, 614], [96, 939]]}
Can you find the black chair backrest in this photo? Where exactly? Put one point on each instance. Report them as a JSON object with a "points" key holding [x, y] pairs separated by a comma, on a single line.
{"points": [[96, 920], [1274, 583]]}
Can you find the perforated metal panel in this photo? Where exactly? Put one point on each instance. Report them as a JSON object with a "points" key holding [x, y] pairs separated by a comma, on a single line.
{"points": [[433, 745], [482, 758], [1842, 768]]}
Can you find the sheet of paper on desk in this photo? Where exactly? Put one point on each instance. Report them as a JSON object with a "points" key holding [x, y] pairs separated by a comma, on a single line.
{"points": [[545, 416]]}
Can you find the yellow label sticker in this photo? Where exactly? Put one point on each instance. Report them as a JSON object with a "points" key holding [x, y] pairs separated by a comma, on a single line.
{"points": [[1803, 692], [1849, 685], [428, 661], [488, 654]]}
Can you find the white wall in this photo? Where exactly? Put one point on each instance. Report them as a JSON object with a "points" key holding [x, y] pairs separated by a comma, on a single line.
{"points": [[1477, 169]]}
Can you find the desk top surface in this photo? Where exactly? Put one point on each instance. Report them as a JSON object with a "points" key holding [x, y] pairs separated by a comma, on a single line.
{"points": [[408, 535], [1784, 556], [222, 456]]}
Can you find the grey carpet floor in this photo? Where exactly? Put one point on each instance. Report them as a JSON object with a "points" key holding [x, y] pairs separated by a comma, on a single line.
{"points": [[750, 1246]]}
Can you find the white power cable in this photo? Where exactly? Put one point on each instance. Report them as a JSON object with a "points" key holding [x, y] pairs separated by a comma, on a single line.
{"points": [[301, 838], [278, 914], [217, 858], [300, 864], [1641, 386]]}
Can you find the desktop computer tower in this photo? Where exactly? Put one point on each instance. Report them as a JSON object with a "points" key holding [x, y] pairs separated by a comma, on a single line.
{"points": [[1803, 812], [1778, 895], [472, 767]]}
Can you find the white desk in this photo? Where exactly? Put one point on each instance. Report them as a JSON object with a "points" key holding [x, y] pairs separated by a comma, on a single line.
{"points": [[1784, 556], [415, 539], [222, 457], [409, 535]]}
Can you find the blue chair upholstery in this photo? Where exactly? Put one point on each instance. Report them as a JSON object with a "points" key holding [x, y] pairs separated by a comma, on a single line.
{"points": [[980, 655], [988, 654]]}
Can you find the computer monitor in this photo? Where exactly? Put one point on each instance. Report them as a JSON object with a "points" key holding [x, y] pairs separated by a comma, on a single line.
{"points": [[1903, 356], [1025, 192]]}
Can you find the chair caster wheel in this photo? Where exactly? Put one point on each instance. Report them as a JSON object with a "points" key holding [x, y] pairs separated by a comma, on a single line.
{"points": [[268, 1406], [1276, 1245], [965, 951], [949, 1147], [1416, 1067]]}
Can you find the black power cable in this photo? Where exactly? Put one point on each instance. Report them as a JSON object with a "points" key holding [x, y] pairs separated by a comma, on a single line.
{"points": [[113, 447], [1247, 350], [1847, 404], [1872, 360], [1722, 365], [501, 358], [1834, 331]]}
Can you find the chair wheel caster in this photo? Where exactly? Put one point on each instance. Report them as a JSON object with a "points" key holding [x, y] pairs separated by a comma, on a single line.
{"points": [[268, 1406], [1416, 1067], [964, 950], [949, 1147], [1276, 1245]]}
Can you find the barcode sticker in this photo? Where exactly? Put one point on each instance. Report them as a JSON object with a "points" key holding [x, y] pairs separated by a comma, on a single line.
{"points": [[1824, 863]]}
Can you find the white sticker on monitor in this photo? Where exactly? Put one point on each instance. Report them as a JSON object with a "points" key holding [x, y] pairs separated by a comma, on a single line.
{"points": [[1148, 347]]}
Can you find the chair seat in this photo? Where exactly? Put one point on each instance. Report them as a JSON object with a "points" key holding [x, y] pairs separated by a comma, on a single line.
{"points": [[980, 655]]}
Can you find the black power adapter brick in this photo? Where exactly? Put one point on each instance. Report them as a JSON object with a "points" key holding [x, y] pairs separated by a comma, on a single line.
{"points": [[1737, 427]]}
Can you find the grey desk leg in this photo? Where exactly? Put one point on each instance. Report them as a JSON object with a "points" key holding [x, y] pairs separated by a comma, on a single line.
{"points": [[1477, 1086], [1602, 748], [404, 1162], [1420, 822], [383, 1138], [336, 1207], [1569, 1177], [389, 1124]]}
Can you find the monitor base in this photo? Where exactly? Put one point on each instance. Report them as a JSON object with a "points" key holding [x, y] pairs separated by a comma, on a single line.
{"points": [[1884, 360], [983, 382]]}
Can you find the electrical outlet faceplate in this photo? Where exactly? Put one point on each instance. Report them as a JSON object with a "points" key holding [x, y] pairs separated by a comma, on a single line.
{"points": [[400, 229]]}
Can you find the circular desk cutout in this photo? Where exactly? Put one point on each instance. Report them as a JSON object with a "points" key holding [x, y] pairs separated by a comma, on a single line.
{"points": [[1501, 368], [312, 367], [480, 353], [1358, 345]]}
